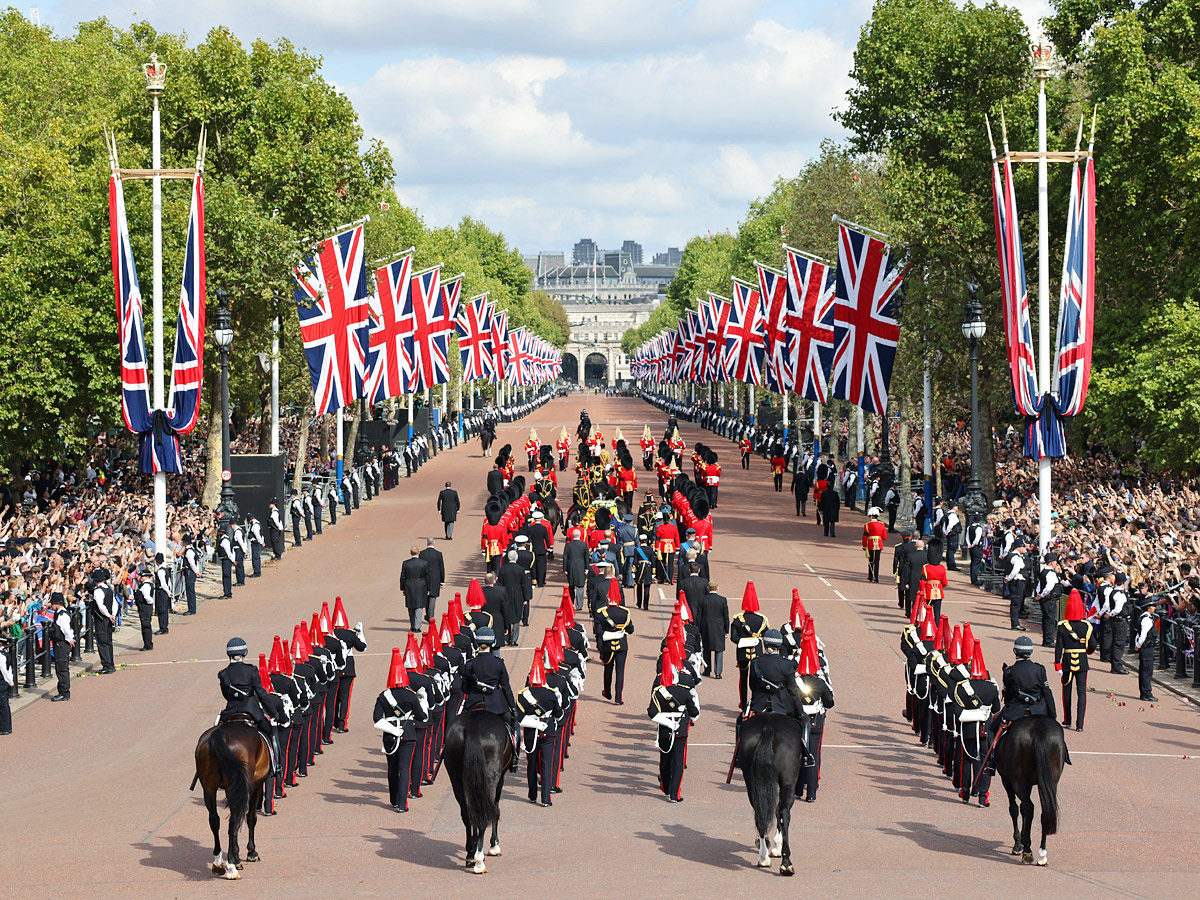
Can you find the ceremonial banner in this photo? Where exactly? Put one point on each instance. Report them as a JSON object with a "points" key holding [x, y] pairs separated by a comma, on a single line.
{"points": [[744, 343], [389, 368], [809, 321]]}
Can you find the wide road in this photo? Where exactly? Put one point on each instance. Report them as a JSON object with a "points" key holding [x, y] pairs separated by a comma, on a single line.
{"points": [[94, 797]]}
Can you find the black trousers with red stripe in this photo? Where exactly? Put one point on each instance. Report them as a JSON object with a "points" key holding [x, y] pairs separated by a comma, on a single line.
{"points": [[810, 776]]}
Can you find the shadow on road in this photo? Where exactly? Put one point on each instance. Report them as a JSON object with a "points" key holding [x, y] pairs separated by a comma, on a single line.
{"points": [[184, 855], [695, 846], [931, 838], [409, 845]]}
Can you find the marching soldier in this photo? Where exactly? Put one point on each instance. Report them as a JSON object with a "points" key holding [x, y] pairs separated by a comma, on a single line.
{"points": [[275, 530], [666, 541], [104, 617], [933, 577], [1074, 640], [613, 625], [816, 694], [532, 447], [745, 447], [191, 569], [350, 641], [642, 569], [673, 707], [1145, 640], [746, 632], [563, 446], [398, 712], [540, 711], [778, 467], [975, 782], [874, 534]]}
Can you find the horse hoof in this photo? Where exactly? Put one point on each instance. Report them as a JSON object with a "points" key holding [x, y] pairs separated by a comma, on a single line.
{"points": [[775, 854], [253, 857], [218, 869], [764, 863], [787, 869], [494, 850], [1027, 858], [1017, 848], [479, 869], [1042, 859], [232, 874]]}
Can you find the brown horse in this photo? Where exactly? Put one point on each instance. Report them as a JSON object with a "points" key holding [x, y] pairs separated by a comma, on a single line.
{"points": [[232, 757]]}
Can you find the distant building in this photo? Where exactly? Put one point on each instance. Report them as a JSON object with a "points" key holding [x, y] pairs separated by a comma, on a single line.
{"points": [[633, 250], [584, 251], [672, 257]]}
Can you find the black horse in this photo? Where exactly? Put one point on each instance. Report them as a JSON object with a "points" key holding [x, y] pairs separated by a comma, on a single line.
{"points": [[478, 751], [487, 435], [1033, 752], [770, 752]]}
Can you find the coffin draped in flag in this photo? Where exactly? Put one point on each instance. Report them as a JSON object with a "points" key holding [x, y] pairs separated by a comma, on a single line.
{"points": [[388, 367], [745, 348], [159, 429], [865, 330], [809, 324], [332, 303], [475, 338]]}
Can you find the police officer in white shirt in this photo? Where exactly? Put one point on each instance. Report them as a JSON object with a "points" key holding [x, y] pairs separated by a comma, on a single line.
{"points": [[143, 596], [162, 593], [104, 617], [296, 512], [191, 569], [256, 544], [1014, 584], [275, 530], [7, 680], [241, 549], [975, 550], [225, 555]]}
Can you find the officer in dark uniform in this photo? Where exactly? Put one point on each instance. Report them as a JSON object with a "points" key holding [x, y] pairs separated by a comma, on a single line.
{"points": [[745, 633], [772, 682], [612, 627], [1026, 690], [1074, 640], [255, 535], [900, 568], [225, 555], [275, 530], [1048, 593], [104, 617], [673, 707], [62, 637], [1145, 641], [972, 733], [397, 712], [144, 600], [191, 569], [916, 560], [539, 713], [242, 688], [162, 593], [485, 679], [350, 641]]}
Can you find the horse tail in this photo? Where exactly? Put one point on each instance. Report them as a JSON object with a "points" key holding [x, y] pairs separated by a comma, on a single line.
{"points": [[237, 789], [1047, 782], [763, 781], [479, 794]]}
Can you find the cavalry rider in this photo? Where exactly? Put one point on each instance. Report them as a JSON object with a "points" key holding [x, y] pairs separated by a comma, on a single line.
{"points": [[242, 688], [1026, 692], [1074, 639], [563, 446], [540, 709], [746, 632], [398, 711], [874, 535], [773, 687], [647, 445], [485, 679]]}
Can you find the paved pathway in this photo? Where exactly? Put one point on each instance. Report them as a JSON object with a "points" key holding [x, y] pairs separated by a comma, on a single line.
{"points": [[94, 792]]}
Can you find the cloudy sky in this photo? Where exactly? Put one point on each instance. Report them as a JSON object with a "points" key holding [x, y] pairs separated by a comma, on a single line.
{"points": [[646, 119]]}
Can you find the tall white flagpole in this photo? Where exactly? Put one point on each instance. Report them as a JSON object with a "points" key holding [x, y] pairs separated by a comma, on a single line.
{"points": [[275, 386], [1041, 71], [155, 84]]}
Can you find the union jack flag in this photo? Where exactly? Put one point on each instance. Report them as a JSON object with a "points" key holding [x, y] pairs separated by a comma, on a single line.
{"points": [[499, 345], [333, 305], [518, 357], [696, 353], [682, 363], [187, 368], [865, 328], [744, 343], [772, 291], [452, 300], [721, 310], [475, 338], [423, 316], [1076, 312], [135, 391], [389, 367], [809, 324]]}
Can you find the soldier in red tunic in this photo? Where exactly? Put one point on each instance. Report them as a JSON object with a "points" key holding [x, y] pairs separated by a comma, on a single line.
{"points": [[874, 535]]}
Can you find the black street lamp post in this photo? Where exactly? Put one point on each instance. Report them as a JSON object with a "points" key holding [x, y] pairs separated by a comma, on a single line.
{"points": [[227, 509], [974, 328]]}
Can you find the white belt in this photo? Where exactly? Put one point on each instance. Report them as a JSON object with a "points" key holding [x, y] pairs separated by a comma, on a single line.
{"points": [[975, 715], [743, 643], [391, 725], [813, 708], [671, 720], [612, 635], [534, 722], [920, 669]]}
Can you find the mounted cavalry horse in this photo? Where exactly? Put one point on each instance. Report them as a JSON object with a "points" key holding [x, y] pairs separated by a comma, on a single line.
{"points": [[1033, 753], [232, 757], [770, 754], [477, 753]]}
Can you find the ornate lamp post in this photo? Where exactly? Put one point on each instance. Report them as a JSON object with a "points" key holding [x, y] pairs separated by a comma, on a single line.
{"points": [[227, 509], [973, 329]]}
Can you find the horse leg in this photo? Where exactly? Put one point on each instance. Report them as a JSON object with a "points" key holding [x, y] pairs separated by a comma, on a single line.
{"points": [[1026, 826], [256, 798], [764, 853], [494, 849], [233, 860], [785, 822], [214, 822], [1012, 811]]}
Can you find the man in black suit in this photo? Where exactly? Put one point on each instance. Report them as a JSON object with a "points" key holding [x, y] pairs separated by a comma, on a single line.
{"points": [[494, 598], [414, 581], [575, 567], [693, 586], [437, 576], [712, 618], [829, 505], [447, 504], [801, 485], [514, 578]]}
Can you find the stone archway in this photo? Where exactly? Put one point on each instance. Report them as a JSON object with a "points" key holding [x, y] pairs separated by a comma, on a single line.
{"points": [[570, 367], [595, 370]]}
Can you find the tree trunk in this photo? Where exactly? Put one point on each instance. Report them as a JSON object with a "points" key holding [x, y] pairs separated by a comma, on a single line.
{"points": [[904, 452], [302, 449], [212, 474], [352, 437]]}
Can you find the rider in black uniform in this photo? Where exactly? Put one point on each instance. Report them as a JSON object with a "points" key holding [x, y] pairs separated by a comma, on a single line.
{"points": [[1026, 691], [773, 688], [242, 688], [485, 679]]}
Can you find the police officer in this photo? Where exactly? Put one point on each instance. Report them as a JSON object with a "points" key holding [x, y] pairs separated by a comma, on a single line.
{"points": [[315, 493], [485, 679], [1014, 584], [307, 505], [162, 593], [104, 617], [1026, 691], [275, 530], [1074, 640], [143, 596], [241, 549], [255, 537], [773, 688], [1119, 613], [62, 636], [225, 555], [242, 688], [191, 570], [1145, 640], [975, 549], [1048, 591], [296, 511]]}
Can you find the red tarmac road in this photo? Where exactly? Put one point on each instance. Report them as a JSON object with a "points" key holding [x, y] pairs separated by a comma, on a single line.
{"points": [[94, 794]]}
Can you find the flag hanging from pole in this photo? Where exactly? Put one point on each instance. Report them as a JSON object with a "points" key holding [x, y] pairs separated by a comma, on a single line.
{"points": [[389, 367], [808, 322], [1076, 311], [423, 317], [772, 290], [866, 332], [475, 338], [744, 343]]}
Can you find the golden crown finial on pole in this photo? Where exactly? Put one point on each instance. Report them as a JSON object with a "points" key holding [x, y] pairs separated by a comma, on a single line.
{"points": [[156, 74], [1042, 52]]}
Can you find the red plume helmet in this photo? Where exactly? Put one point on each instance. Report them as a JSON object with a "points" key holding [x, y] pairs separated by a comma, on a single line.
{"points": [[684, 610], [286, 668], [928, 630], [447, 635], [945, 633], [263, 674], [668, 669], [474, 594], [427, 650], [955, 650], [537, 672], [275, 665], [397, 676], [917, 616], [750, 598], [339, 614], [810, 663], [978, 668], [1075, 611], [325, 620], [798, 612], [314, 633], [412, 654], [967, 635], [614, 592], [568, 611]]}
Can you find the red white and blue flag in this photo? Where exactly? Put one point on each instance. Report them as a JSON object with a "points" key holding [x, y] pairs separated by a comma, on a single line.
{"points": [[424, 316], [809, 324], [332, 302], [187, 367], [865, 329], [1076, 311], [518, 357], [721, 309], [389, 366], [745, 348], [135, 390], [499, 346], [475, 338], [772, 290]]}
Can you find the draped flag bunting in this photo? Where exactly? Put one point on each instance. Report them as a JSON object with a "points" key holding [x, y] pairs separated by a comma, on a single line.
{"points": [[424, 317], [475, 338], [388, 369], [809, 323], [744, 343], [159, 429], [866, 332], [1076, 312], [772, 290], [333, 305]]}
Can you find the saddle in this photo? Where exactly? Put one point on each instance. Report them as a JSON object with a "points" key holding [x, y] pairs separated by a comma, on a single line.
{"points": [[244, 718]]}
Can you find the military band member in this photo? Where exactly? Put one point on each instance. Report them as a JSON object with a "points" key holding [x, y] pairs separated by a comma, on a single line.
{"points": [[673, 708], [398, 711], [746, 632], [612, 628], [1074, 640], [539, 714]]}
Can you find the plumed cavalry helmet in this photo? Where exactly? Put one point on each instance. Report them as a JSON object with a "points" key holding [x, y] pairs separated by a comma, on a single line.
{"points": [[773, 637], [1023, 646], [236, 647]]}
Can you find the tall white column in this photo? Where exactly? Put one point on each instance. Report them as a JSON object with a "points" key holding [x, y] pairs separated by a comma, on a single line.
{"points": [[159, 399], [275, 386], [1044, 305]]}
